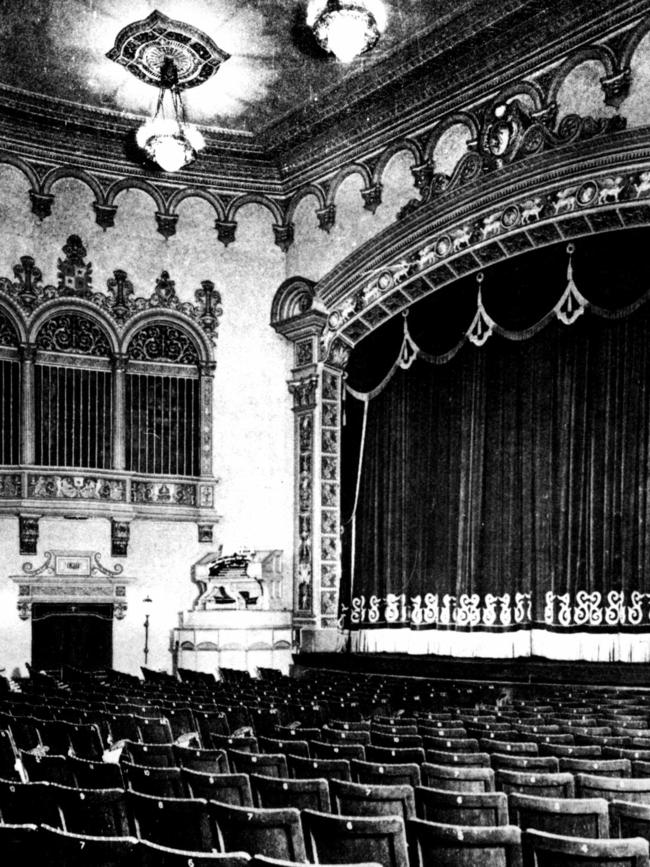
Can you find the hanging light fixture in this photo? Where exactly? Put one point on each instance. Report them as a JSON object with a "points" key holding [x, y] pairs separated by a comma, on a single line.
{"points": [[167, 138], [172, 56], [346, 28]]}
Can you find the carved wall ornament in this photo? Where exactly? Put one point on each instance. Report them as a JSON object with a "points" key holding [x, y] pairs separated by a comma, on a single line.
{"points": [[163, 343], [120, 535], [78, 487], [304, 392], [326, 217], [41, 204], [105, 215], [166, 224], [304, 352], [372, 197], [226, 231], [28, 533], [616, 87], [73, 333], [10, 486], [284, 235], [75, 275], [164, 493], [206, 533], [8, 335], [121, 303]]}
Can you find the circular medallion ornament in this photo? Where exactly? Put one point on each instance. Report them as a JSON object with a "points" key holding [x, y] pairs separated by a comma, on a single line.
{"points": [[385, 281], [510, 217], [334, 320], [587, 193], [144, 46], [443, 246]]}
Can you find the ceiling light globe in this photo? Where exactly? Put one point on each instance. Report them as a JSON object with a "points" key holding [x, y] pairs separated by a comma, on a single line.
{"points": [[346, 28], [170, 152], [170, 144]]}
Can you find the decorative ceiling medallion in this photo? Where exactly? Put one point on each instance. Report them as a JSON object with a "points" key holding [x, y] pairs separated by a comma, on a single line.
{"points": [[144, 46]]}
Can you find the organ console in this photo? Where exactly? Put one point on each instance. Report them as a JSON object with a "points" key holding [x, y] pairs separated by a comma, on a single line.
{"points": [[230, 582]]}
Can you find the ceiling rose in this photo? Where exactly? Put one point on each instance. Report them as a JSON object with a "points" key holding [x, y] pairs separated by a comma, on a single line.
{"points": [[144, 46]]}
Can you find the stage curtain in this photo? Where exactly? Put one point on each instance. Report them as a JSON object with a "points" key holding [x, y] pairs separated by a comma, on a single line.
{"points": [[507, 491]]}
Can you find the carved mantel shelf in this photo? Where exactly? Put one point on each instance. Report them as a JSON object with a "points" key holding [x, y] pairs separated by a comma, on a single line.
{"points": [[71, 576]]}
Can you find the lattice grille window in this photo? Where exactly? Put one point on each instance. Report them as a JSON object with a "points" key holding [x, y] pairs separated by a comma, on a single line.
{"points": [[162, 424], [74, 417], [9, 411]]}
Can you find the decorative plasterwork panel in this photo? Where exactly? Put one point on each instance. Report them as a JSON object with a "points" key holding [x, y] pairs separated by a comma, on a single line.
{"points": [[71, 576], [143, 46]]}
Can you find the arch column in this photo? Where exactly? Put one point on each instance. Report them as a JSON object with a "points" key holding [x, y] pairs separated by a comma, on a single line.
{"points": [[120, 363], [28, 356], [206, 397]]}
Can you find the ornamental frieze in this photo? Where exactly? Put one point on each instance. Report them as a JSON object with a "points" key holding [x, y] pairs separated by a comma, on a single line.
{"points": [[164, 493], [120, 303], [81, 487], [535, 218], [583, 609]]}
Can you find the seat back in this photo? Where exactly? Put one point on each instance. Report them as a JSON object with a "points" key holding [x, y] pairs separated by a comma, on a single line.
{"points": [[462, 760], [376, 773], [600, 767], [50, 769], [165, 782], [27, 803], [458, 779], [536, 783], [329, 769], [269, 764], [277, 832], [234, 789], [547, 764], [323, 750], [300, 794], [67, 849], [182, 823], [350, 839], [98, 812], [287, 746], [486, 809], [96, 775], [364, 799], [629, 820], [151, 755], [443, 845], [155, 855], [541, 849], [571, 817], [208, 761], [394, 755], [613, 788]]}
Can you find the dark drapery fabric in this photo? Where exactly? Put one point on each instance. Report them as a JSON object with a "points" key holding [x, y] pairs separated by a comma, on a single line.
{"points": [[516, 468]]}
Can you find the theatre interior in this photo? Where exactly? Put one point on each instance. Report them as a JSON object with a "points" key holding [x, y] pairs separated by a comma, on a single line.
{"points": [[325, 432]]}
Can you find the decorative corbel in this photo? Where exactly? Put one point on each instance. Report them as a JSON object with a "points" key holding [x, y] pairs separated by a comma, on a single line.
{"points": [[105, 215], [166, 224], [226, 230], [41, 204], [326, 217], [284, 235], [616, 87], [372, 197], [120, 535], [206, 533]]}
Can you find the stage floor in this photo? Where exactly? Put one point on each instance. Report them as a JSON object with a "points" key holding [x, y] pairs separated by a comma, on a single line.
{"points": [[527, 671]]}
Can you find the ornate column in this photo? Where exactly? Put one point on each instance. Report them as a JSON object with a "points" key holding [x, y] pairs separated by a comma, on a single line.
{"points": [[206, 398], [28, 355], [120, 363]]}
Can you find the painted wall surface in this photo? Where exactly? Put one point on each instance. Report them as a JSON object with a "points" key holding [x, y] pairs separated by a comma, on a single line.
{"points": [[252, 434]]}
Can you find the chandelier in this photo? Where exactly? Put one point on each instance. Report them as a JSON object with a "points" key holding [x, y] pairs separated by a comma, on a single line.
{"points": [[167, 138], [172, 56], [346, 28]]}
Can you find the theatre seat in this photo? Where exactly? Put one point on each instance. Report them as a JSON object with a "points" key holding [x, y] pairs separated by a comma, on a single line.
{"points": [[329, 769], [571, 817], [66, 849], [458, 779], [150, 755], [546, 764], [207, 761], [536, 783], [600, 767], [467, 760], [629, 820], [96, 775], [269, 764], [299, 794], [439, 845], [550, 850], [394, 755], [364, 799], [232, 789], [349, 839], [20, 845], [154, 855], [613, 788], [165, 782], [277, 833], [28, 803], [181, 823], [287, 746], [391, 774], [461, 808], [50, 769]]}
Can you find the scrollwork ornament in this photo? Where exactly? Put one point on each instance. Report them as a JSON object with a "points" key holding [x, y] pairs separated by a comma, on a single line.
{"points": [[163, 343]]}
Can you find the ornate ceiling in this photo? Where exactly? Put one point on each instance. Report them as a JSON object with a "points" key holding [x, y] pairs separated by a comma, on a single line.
{"points": [[58, 48]]}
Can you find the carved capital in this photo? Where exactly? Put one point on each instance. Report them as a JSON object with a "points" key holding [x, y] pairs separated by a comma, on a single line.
{"points": [[41, 204], [326, 217], [119, 610], [422, 176], [339, 354], [206, 533], [166, 224], [616, 87], [304, 393], [120, 363], [372, 197], [284, 236], [105, 215], [24, 609], [120, 534], [226, 230], [28, 533], [27, 352]]}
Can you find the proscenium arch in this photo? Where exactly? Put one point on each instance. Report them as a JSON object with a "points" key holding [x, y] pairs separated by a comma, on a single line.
{"points": [[163, 316], [136, 184], [63, 172], [74, 305], [194, 193], [402, 145]]}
